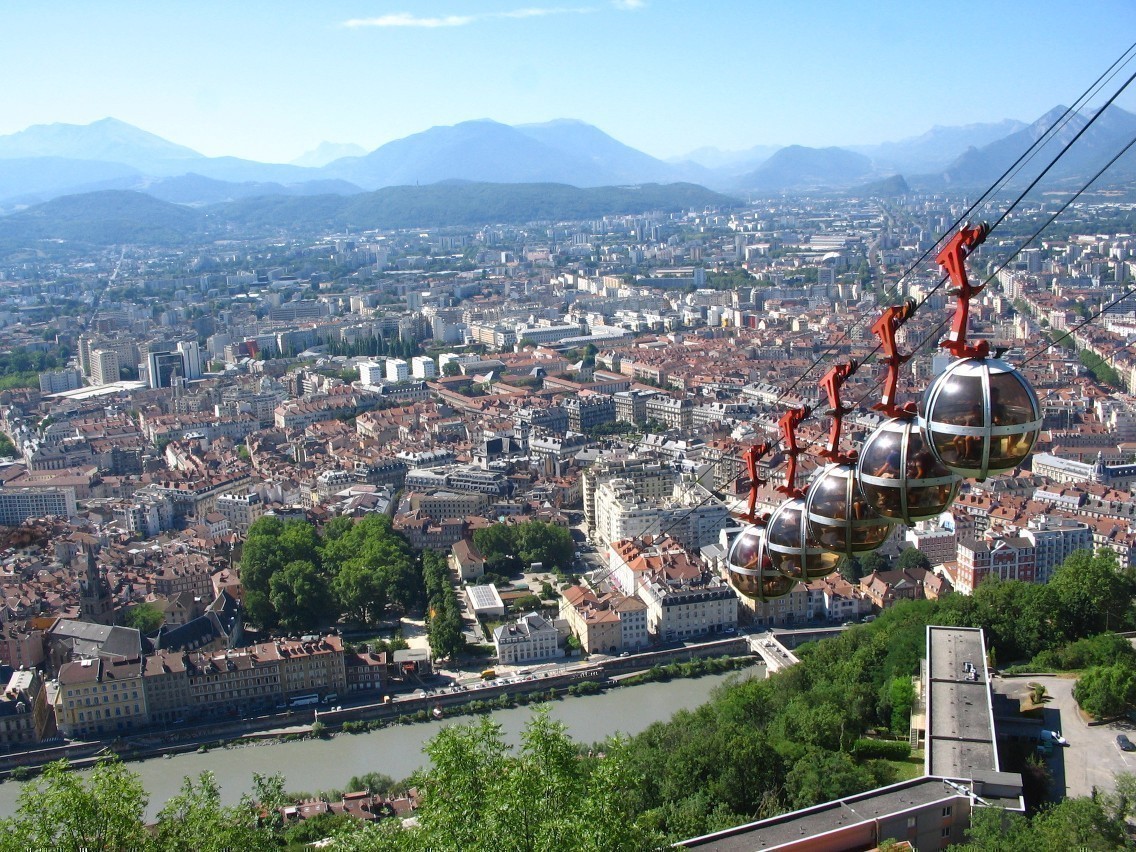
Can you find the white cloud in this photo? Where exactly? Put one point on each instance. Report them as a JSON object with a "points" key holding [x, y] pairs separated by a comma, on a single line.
{"points": [[629, 5], [407, 19]]}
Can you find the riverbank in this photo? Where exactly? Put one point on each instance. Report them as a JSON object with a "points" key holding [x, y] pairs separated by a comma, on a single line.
{"points": [[405, 708], [396, 750], [537, 690]]}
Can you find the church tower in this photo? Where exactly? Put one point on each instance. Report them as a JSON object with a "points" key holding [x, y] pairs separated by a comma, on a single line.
{"points": [[96, 604]]}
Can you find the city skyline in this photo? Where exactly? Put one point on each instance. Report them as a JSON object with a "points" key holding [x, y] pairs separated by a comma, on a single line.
{"points": [[243, 81]]}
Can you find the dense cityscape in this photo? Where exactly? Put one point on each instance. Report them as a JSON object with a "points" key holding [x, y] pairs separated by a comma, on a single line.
{"points": [[226, 461]]}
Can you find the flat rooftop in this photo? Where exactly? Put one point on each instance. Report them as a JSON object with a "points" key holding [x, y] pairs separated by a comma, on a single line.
{"points": [[960, 719], [884, 802]]}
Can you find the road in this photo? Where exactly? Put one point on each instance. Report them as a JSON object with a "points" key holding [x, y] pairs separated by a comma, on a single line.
{"points": [[1091, 760]]}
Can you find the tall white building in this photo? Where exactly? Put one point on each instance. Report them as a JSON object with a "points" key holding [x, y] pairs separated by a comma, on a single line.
{"points": [[104, 366], [60, 380], [422, 367], [397, 370], [692, 516], [19, 504], [371, 372], [191, 355]]}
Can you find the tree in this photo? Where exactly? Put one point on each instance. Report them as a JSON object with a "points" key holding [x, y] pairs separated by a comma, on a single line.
{"points": [[1107, 691], [901, 696], [478, 795], [61, 811], [1092, 594], [300, 594], [451, 368], [196, 821], [825, 775], [912, 558], [146, 618], [360, 592]]}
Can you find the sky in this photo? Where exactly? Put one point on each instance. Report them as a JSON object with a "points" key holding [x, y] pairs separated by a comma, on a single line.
{"points": [[271, 80]]}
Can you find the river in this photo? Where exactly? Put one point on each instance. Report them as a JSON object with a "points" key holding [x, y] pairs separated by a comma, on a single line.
{"points": [[313, 765]]}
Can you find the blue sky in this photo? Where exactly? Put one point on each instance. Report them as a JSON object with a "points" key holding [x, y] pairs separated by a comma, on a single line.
{"points": [[270, 80]]}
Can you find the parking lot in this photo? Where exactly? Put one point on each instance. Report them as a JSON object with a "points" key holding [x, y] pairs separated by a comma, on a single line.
{"points": [[1092, 758]]}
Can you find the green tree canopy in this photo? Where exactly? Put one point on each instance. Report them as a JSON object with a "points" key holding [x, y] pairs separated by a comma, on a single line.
{"points": [[62, 811], [481, 795], [144, 617], [301, 596]]}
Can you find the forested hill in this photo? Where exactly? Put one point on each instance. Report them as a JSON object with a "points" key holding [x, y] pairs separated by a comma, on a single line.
{"points": [[113, 216]]}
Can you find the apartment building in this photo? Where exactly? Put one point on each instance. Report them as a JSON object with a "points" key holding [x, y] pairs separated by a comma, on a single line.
{"points": [[1013, 558], [531, 637], [19, 504], [101, 697], [604, 625]]}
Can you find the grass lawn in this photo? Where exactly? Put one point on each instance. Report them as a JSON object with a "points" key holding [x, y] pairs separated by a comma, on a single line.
{"points": [[905, 770]]}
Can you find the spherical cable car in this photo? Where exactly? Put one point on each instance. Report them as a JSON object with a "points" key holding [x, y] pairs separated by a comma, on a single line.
{"points": [[792, 551], [838, 518], [899, 476], [748, 564], [980, 416]]}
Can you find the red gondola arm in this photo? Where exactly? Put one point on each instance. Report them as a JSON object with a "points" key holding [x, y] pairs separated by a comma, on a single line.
{"points": [[953, 259], [831, 383], [889, 322], [751, 457], [788, 424]]}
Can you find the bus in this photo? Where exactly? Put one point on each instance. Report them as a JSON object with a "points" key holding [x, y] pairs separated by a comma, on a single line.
{"points": [[304, 700], [489, 674]]}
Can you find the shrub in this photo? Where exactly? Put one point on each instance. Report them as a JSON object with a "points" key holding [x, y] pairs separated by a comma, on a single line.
{"points": [[883, 749]]}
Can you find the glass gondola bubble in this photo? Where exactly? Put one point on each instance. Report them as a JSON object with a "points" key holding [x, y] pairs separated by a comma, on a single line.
{"points": [[750, 569], [791, 551], [900, 477], [980, 417], [840, 518]]}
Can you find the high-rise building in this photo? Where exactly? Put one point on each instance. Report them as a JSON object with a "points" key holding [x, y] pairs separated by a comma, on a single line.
{"points": [[104, 366], [397, 370], [163, 367], [422, 367], [191, 355], [60, 380], [371, 372]]}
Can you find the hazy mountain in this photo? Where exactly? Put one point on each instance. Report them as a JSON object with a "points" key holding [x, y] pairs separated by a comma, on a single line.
{"points": [[467, 203], [328, 152], [886, 188], [30, 180], [102, 218], [113, 217], [801, 168], [735, 162], [198, 189], [107, 140], [46, 161], [937, 148], [473, 150], [982, 166], [621, 163]]}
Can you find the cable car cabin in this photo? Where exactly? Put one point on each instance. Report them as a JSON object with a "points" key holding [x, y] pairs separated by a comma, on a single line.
{"points": [[980, 417], [751, 570], [791, 550], [840, 519], [900, 477]]}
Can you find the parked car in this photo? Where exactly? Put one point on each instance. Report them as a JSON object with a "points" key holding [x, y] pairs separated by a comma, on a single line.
{"points": [[1054, 737], [1124, 744]]}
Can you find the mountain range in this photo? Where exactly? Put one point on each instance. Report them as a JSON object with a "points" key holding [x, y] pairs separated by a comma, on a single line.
{"points": [[47, 161]]}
